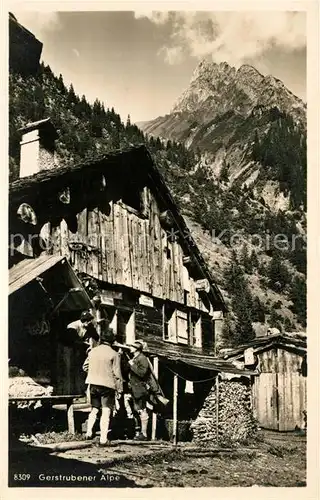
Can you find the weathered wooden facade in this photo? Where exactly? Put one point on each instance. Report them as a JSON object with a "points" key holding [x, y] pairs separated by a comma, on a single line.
{"points": [[279, 393]]}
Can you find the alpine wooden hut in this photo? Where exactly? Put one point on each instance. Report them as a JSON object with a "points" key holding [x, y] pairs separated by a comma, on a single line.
{"points": [[113, 219], [279, 393]]}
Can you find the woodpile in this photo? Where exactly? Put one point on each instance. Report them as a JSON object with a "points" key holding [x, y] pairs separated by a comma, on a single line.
{"points": [[234, 421]]}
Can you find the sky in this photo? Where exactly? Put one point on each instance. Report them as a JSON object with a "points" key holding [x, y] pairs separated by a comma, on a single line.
{"points": [[140, 62]]}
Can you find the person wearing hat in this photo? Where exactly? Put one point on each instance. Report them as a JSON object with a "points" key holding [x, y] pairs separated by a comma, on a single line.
{"points": [[139, 373], [105, 380]]}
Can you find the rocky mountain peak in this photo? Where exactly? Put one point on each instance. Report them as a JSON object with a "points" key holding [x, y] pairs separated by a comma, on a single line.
{"points": [[207, 69], [247, 69], [250, 74], [217, 88]]}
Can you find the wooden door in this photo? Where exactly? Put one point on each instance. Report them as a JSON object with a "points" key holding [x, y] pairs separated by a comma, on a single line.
{"points": [[265, 391], [265, 397], [292, 391], [279, 392]]}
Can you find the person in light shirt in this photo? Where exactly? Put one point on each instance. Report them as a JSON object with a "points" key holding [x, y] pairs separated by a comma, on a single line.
{"points": [[105, 381]]}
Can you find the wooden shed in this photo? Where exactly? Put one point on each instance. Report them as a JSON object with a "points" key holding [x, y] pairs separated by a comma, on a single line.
{"points": [[44, 293], [279, 393]]}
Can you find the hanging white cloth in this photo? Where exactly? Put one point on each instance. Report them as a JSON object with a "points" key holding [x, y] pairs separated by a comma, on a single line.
{"points": [[189, 387]]}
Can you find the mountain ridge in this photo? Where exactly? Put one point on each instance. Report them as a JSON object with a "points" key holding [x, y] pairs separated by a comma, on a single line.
{"points": [[208, 77], [226, 113]]}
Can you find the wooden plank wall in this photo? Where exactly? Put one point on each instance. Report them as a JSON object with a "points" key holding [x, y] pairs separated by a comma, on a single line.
{"points": [[264, 390], [264, 400], [280, 392], [148, 321], [292, 391], [132, 251]]}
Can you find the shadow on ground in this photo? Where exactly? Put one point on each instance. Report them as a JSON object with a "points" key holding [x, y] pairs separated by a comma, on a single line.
{"points": [[33, 467]]}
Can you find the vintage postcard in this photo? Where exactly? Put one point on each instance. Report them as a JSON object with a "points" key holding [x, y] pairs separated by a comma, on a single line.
{"points": [[157, 253]]}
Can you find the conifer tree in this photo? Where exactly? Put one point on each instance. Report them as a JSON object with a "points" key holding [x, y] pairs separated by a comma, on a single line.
{"points": [[246, 260], [241, 301], [71, 95], [277, 273], [254, 260], [224, 172], [228, 334], [298, 295], [258, 310], [60, 84], [38, 105]]}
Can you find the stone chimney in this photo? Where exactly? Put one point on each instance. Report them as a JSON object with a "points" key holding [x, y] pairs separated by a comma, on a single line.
{"points": [[37, 147]]}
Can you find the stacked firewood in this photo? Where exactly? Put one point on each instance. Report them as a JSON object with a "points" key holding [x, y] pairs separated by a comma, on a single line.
{"points": [[235, 420]]}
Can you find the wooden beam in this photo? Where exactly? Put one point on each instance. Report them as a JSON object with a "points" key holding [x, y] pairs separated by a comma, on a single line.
{"points": [[70, 416], [175, 409], [154, 415], [98, 320], [166, 218], [163, 321], [202, 285], [186, 259], [217, 408], [114, 321], [130, 329]]}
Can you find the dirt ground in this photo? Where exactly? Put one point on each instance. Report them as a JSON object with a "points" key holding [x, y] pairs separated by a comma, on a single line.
{"points": [[275, 460]]}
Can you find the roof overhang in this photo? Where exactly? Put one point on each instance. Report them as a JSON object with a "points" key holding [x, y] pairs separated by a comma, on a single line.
{"points": [[67, 292], [184, 355], [267, 342]]}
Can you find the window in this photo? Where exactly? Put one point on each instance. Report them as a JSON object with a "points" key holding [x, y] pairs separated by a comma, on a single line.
{"points": [[125, 326], [111, 313], [182, 327], [132, 197], [135, 199]]}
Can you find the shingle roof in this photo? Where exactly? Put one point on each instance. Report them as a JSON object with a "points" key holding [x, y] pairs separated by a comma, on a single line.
{"points": [[40, 124], [298, 341], [29, 269]]}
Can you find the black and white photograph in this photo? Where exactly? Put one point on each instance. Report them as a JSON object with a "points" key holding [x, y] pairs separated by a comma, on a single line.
{"points": [[157, 248]]}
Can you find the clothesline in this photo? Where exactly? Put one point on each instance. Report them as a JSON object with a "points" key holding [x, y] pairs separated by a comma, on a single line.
{"points": [[188, 380]]}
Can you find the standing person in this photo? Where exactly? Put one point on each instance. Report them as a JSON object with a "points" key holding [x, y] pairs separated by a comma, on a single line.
{"points": [[138, 375], [105, 379]]}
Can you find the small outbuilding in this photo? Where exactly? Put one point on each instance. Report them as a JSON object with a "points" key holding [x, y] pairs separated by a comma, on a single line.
{"points": [[279, 393]]}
